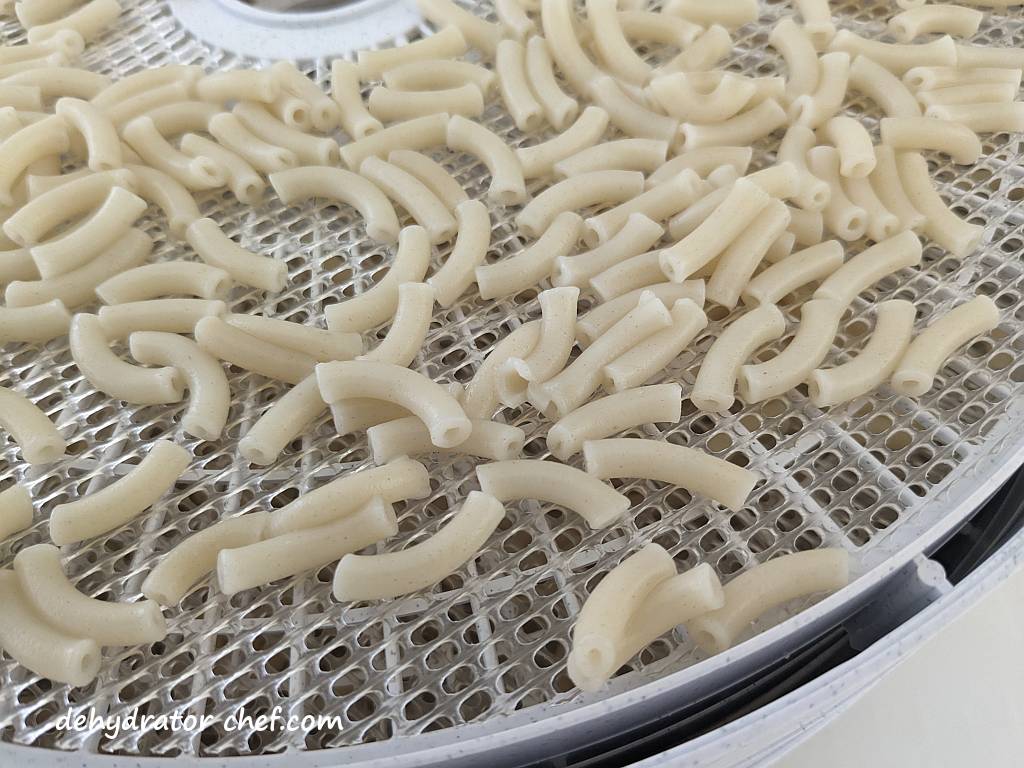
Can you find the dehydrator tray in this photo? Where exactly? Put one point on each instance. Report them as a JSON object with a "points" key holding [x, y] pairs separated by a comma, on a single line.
{"points": [[478, 662]]}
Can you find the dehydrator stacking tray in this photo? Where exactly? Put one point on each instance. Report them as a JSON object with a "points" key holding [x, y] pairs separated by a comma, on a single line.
{"points": [[478, 662]]}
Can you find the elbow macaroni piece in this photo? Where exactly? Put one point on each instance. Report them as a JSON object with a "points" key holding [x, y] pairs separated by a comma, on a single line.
{"points": [[844, 219], [522, 105], [533, 264], [928, 19], [798, 269], [245, 267], [123, 500], [895, 57], [816, 108], [627, 115], [459, 270], [940, 223], [166, 278], [239, 85], [736, 264], [418, 133], [575, 193], [34, 325], [743, 129], [232, 134], [388, 105], [931, 78], [408, 436], [31, 429], [681, 98], [888, 187], [610, 43], [15, 511], [883, 87], [409, 327], [99, 133], [434, 74], [853, 143], [605, 315], [797, 50], [482, 35], [283, 422], [626, 276], [558, 20], [703, 161], [317, 343], [309, 150], [447, 43], [245, 182], [657, 203], [33, 142], [356, 121], [813, 193], [195, 173], [645, 155], [481, 397], [559, 108], [916, 133], [176, 202], [508, 186], [170, 316], [638, 233], [881, 223], [413, 195], [228, 343], [88, 20], [539, 159], [868, 267], [992, 117], [432, 174]]}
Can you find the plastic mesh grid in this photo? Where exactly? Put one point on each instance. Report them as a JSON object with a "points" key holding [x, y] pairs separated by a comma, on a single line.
{"points": [[493, 637]]}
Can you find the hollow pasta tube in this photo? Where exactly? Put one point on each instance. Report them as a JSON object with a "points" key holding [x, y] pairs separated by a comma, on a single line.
{"points": [[657, 27], [309, 150], [559, 108], [356, 121], [819, 321], [881, 223], [558, 20], [173, 199], [196, 173], [786, 275], [169, 316], [844, 219], [897, 58], [218, 250], [737, 263], [990, 117], [678, 95], [121, 501], [378, 304], [99, 133], [317, 343], [758, 590], [30, 428], [868, 267], [916, 133], [482, 35], [970, 94], [507, 186], [481, 397], [408, 328], [432, 174], [977, 56], [167, 278], [888, 187], [38, 646], [446, 43], [245, 182], [42, 139], [408, 436], [389, 105], [432, 74], [742, 129], [645, 155], [231, 133], [637, 234], [325, 114], [418, 133], [702, 161], [34, 324], [657, 203], [941, 224], [209, 396], [47, 588], [627, 115], [894, 325], [883, 87], [533, 264], [522, 105], [707, 50], [228, 343], [797, 50], [915, 373], [853, 142], [88, 20], [196, 556], [459, 270], [814, 109], [707, 475], [611, 45], [15, 511], [932, 78], [283, 422], [539, 159], [413, 195], [813, 193], [241, 568], [577, 192], [239, 85], [605, 315], [626, 276], [946, 19]]}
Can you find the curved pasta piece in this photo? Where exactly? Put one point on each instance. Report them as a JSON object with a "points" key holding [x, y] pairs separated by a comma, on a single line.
{"points": [[432, 74], [241, 568], [509, 276], [413, 195], [888, 188], [343, 186], [245, 267], [78, 286], [874, 364], [167, 278], [310, 150], [283, 422], [409, 327], [844, 219], [408, 436], [146, 80], [482, 35], [123, 500], [558, 20], [881, 224], [883, 87], [932, 78], [745, 128], [610, 43], [196, 556], [88, 20], [124, 112], [209, 394], [559, 108], [539, 159], [764, 587], [992, 117], [21, 97], [325, 114], [702, 161], [30, 428], [508, 186], [228, 343], [170, 316], [597, 503], [916, 133], [658, 28], [645, 155], [176, 202], [549, 355], [418, 133], [432, 174], [317, 343], [245, 182], [941, 224], [650, 357], [99, 133], [798, 269], [707, 50], [447, 43], [975, 56], [111, 375], [481, 398], [459, 270], [34, 324], [808, 227], [196, 173], [814, 193], [377, 304], [398, 480], [356, 121], [680, 98], [570, 388], [737, 263], [797, 50], [709, 476], [853, 143], [626, 276], [817, 18], [15, 511], [183, 117], [614, 413], [37, 140], [895, 57], [47, 588], [637, 234], [39, 647], [972, 94], [427, 400], [732, 13], [627, 115], [231, 132], [657, 203], [819, 321], [522, 105], [512, 15], [376, 577], [915, 373], [577, 192], [239, 85], [605, 315], [868, 267], [816, 108]]}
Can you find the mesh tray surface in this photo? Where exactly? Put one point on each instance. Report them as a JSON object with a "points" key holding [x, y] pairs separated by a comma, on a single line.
{"points": [[492, 638]]}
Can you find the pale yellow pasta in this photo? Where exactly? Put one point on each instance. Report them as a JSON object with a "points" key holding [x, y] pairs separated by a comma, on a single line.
{"points": [[15, 511], [16, 265], [66, 42], [813, 193], [147, 80], [709, 48], [308, 149], [34, 325], [742, 129], [658, 27], [30, 428], [917, 133], [196, 173], [291, 111], [894, 325], [915, 373], [32, 13], [929, 78], [434, 74], [522, 105], [682, 99], [239, 85], [737, 262], [482, 35], [610, 43], [888, 187], [276, 557], [396, 481], [196, 556], [550, 354], [539, 159], [650, 357], [558, 21], [973, 93], [286, 419], [409, 327], [897, 58], [166, 315], [469, 251], [377, 304], [245, 267], [408, 436], [78, 286], [418, 133], [626, 276], [975, 56], [434, 175], [853, 142], [232, 345], [575, 193], [41, 64], [325, 113], [389, 105], [413, 195], [89, 20], [627, 115], [448, 43], [481, 398], [21, 97], [356, 121], [881, 223], [231, 132], [999, 117], [534, 263], [507, 185], [817, 18], [514, 18], [42, 139], [99, 133], [36, 645], [819, 321], [764, 587], [702, 161], [343, 186], [315, 342], [646, 155], [941, 224], [817, 108], [391, 574], [728, 13], [245, 182], [359, 413], [844, 219], [657, 203], [797, 50], [636, 235], [928, 19], [176, 202], [597, 503], [123, 500], [559, 108], [167, 278], [798, 269]]}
